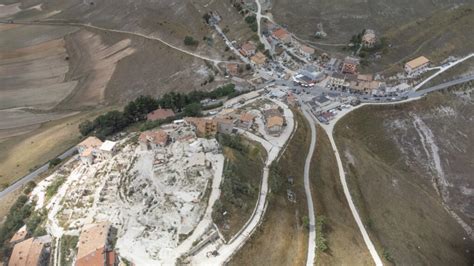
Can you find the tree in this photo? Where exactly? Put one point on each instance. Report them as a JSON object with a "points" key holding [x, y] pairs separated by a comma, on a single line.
{"points": [[86, 127], [250, 19], [54, 162], [137, 109], [193, 109], [190, 41]]}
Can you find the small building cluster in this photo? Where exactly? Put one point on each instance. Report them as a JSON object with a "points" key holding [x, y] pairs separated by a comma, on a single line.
{"points": [[361, 84], [33, 251], [93, 148]]}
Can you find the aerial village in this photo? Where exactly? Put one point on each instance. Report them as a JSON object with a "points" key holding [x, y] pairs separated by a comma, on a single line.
{"points": [[327, 84], [145, 197]]}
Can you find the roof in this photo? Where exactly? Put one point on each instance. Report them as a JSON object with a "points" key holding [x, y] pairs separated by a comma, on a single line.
{"points": [[351, 60], [92, 242], [232, 68], [366, 77], [94, 258], [158, 137], [108, 145], [20, 235], [338, 76], [281, 33], [249, 46], [307, 49], [369, 35], [274, 121], [91, 142], [246, 117], [159, 114], [201, 123], [258, 58], [28, 252], [417, 62], [87, 152]]}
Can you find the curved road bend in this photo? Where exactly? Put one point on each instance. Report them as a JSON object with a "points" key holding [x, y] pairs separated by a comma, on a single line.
{"points": [[148, 37], [311, 256]]}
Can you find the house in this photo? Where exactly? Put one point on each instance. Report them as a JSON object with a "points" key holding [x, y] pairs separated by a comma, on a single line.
{"points": [[417, 66], [322, 100], [153, 139], [93, 246], [204, 127], [19, 236], [369, 39], [232, 69], [306, 50], [89, 149], [224, 125], [31, 252], [282, 35], [350, 65], [107, 149], [258, 58], [246, 120], [337, 81], [274, 124], [160, 114], [248, 49], [334, 64]]}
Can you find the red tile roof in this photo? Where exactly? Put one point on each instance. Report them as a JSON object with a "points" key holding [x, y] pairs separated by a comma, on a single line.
{"points": [[159, 114]]}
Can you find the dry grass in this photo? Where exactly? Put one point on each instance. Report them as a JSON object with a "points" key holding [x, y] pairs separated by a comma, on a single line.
{"points": [[345, 243], [394, 195], [282, 239], [248, 170], [20, 154]]}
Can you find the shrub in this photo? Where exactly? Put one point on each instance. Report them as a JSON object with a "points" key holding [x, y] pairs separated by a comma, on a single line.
{"points": [[190, 41], [54, 162]]}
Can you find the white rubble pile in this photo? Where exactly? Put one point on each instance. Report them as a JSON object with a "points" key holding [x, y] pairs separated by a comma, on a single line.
{"points": [[155, 198]]}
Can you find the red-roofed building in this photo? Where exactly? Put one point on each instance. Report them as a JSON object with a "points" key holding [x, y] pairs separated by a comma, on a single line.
{"points": [[159, 114], [248, 49], [282, 35], [92, 247]]}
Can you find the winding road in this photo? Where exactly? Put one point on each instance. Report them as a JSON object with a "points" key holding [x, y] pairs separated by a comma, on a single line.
{"points": [[311, 254]]}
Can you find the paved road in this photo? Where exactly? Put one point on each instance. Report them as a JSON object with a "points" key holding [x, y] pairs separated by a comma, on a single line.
{"points": [[443, 69], [443, 85], [311, 253], [84, 25], [20, 182], [259, 18]]}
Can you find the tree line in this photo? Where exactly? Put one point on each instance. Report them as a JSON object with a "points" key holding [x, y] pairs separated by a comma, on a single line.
{"points": [[183, 104]]}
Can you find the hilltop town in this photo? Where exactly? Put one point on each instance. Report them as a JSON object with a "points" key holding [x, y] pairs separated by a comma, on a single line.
{"points": [[239, 162]]}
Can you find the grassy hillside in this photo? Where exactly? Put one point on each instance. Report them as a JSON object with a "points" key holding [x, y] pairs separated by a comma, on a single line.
{"points": [[344, 241], [282, 238], [436, 29], [394, 180]]}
